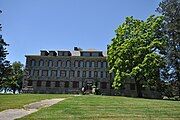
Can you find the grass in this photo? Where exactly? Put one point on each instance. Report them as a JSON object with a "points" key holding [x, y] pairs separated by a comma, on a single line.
{"points": [[91, 107], [9, 101]]}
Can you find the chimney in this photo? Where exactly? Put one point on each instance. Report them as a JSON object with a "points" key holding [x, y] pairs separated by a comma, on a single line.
{"points": [[76, 49]]}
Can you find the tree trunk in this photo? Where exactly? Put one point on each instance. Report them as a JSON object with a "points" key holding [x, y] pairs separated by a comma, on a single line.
{"points": [[19, 90], [138, 87], [14, 90]]}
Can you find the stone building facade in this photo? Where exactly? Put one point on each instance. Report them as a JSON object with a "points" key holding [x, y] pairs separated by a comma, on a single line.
{"points": [[67, 72], [70, 72]]}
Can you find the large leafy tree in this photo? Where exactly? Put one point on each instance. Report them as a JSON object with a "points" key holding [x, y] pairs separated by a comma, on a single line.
{"points": [[5, 68], [170, 9], [135, 52], [15, 82]]}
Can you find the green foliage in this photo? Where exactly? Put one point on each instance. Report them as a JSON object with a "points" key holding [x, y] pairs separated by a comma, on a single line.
{"points": [[16, 79], [170, 9], [5, 68], [168, 89], [10, 76], [135, 51]]}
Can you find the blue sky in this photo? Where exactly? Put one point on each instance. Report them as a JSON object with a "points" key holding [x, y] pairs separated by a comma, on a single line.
{"points": [[32, 25]]}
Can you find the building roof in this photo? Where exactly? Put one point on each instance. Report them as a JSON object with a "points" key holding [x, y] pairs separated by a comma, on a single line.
{"points": [[75, 52]]}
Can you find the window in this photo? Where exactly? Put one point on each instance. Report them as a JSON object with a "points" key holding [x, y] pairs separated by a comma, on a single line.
{"points": [[55, 64], [132, 86], [85, 54], [50, 63], [75, 84], [107, 74], [48, 84], [76, 63], [36, 72], [95, 64], [84, 74], [60, 53], [41, 63], [31, 72], [71, 73], [63, 73], [81, 64], [95, 54], [39, 83], [90, 64], [30, 82], [33, 63], [66, 53], [63, 64], [101, 64], [57, 84], [68, 63], [78, 73], [54, 73], [103, 85], [90, 74], [66, 84], [95, 74], [59, 63], [104, 64], [87, 64], [44, 72], [101, 74]]}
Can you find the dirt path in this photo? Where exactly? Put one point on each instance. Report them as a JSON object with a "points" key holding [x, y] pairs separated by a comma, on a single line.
{"points": [[12, 114]]}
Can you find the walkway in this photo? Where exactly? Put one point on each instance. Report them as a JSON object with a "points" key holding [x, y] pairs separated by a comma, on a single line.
{"points": [[12, 114]]}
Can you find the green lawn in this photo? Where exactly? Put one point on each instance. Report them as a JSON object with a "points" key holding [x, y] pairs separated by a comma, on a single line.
{"points": [[108, 107], [94, 107], [9, 101]]}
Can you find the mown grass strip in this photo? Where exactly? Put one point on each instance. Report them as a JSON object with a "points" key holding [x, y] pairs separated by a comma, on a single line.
{"points": [[107, 108]]}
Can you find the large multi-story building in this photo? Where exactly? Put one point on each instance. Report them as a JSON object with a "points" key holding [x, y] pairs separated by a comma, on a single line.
{"points": [[70, 72], [67, 72]]}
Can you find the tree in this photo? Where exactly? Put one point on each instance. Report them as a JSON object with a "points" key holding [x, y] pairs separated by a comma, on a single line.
{"points": [[5, 67], [136, 52], [170, 9], [15, 82]]}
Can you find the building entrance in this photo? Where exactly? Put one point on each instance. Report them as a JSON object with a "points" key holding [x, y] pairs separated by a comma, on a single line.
{"points": [[88, 86]]}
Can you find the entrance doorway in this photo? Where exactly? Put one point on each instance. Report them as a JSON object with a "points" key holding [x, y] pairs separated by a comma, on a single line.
{"points": [[88, 86]]}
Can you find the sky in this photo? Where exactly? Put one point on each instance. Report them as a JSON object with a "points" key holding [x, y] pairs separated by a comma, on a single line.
{"points": [[33, 25]]}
